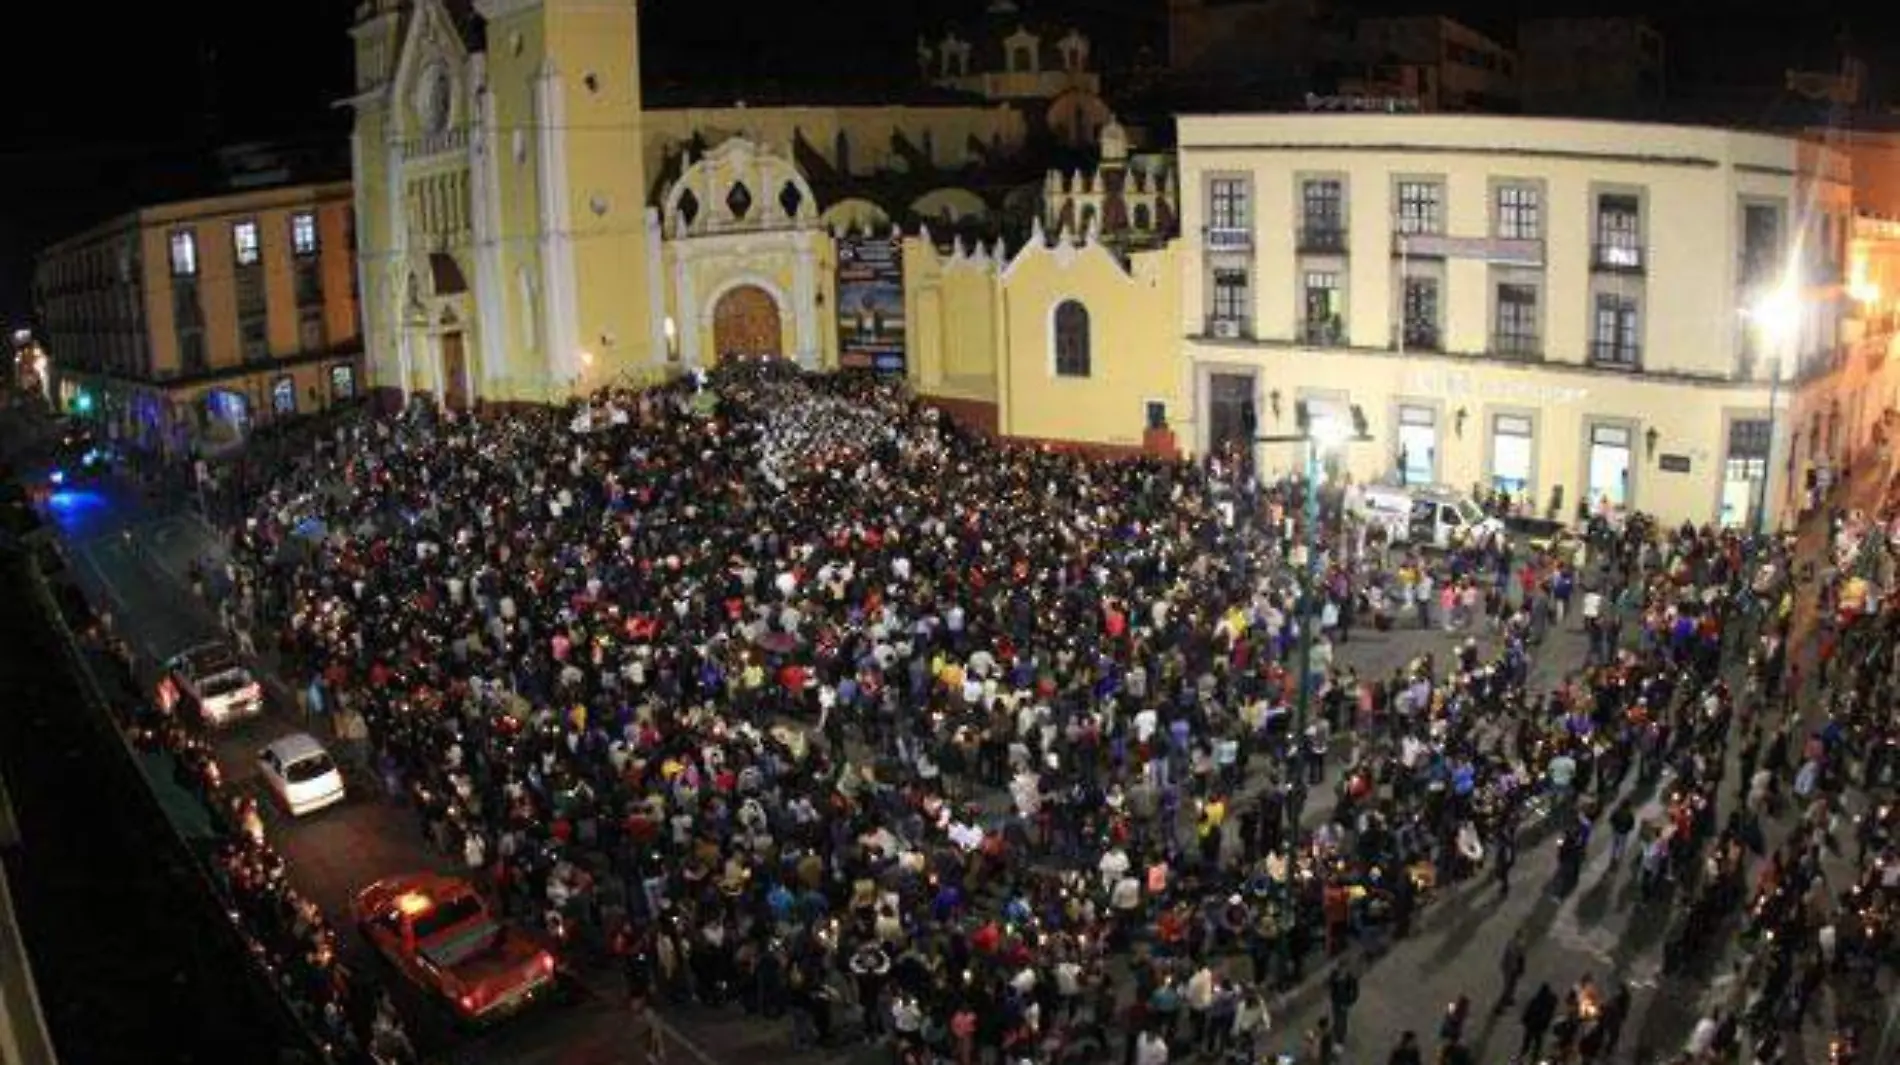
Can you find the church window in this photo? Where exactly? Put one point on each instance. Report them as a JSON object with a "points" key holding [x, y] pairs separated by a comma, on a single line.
{"points": [[739, 200], [1072, 339]]}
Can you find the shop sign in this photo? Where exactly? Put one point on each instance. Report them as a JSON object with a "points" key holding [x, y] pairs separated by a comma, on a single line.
{"points": [[1673, 463]]}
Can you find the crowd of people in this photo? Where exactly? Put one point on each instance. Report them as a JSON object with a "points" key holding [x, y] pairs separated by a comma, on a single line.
{"points": [[792, 696]]}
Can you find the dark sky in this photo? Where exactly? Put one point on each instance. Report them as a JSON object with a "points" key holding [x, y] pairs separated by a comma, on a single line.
{"points": [[134, 122]]}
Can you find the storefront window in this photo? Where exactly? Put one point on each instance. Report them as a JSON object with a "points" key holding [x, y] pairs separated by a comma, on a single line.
{"points": [[227, 406], [1609, 466], [1418, 445], [1511, 445], [283, 395], [1744, 470]]}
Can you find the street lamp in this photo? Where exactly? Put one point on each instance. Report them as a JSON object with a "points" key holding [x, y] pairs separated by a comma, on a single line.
{"points": [[1776, 318], [1320, 436]]}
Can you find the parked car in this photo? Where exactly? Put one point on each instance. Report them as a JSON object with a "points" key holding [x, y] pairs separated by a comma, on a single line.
{"points": [[211, 676], [300, 773], [439, 935]]}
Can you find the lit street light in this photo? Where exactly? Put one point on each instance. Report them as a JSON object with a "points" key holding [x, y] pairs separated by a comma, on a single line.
{"points": [[1776, 319]]}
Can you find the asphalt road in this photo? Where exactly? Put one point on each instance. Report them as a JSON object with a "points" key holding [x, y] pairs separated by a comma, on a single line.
{"points": [[1597, 929], [121, 931]]}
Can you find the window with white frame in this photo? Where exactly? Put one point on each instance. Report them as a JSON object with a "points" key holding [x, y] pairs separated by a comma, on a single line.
{"points": [[244, 244], [1323, 308], [1421, 207], [1517, 323], [1227, 204], [1520, 212], [1230, 294], [1617, 334], [303, 233], [184, 246], [1619, 231]]}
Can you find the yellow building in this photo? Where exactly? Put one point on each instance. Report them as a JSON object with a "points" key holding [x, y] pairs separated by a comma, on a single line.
{"points": [[1572, 312], [532, 226], [1842, 403], [1569, 311], [181, 325]]}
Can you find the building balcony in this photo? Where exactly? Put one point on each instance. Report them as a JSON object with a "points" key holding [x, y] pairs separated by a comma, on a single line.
{"points": [[1323, 333], [1517, 346], [1228, 238], [1322, 240], [1229, 327], [1497, 251], [1616, 356], [1420, 336], [1618, 258]]}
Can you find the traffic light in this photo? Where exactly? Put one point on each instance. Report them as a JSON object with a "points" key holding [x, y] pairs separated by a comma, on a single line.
{"points": [[83, 402]]}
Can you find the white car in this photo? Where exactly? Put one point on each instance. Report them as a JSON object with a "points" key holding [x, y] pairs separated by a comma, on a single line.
{"points": [[300, 773], [211, 676]]}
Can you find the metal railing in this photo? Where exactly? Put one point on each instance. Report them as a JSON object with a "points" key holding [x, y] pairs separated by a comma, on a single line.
{"points": [[1322, 239], [1420, 336], [1616, 355], [1229, 327], [1618, 258], [1520, 346], [1229, 238], [1323, 333]]}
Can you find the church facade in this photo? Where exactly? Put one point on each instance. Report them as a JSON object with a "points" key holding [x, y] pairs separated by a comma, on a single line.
{"points": [[530, 224]]}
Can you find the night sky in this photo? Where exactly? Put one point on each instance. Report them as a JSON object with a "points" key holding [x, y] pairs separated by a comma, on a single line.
{"points": [[132, 119]]}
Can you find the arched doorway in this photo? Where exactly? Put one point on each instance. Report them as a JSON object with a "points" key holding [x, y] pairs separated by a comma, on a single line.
{"points": [[746, 324]]}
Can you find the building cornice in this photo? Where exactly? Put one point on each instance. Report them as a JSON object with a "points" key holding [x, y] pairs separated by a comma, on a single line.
{"points": [[1306, 147], [1447, 361], [216, 374]]}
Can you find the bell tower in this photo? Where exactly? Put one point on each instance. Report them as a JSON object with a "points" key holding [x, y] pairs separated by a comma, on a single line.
{"points": [[578, 255]]}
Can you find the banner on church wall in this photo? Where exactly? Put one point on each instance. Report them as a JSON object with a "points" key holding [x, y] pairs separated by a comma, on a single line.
{"points": [[871, 304]]}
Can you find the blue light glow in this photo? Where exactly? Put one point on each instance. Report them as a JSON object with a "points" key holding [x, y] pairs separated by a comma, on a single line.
{"points": [[74, 501]]}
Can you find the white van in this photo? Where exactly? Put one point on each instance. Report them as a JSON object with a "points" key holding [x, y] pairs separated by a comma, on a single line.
{"points": [[1430, 515]]}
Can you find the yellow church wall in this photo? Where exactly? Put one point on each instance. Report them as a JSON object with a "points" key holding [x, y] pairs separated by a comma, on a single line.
{"points": [[950, 315], [711, 276], [1131, 313], [514, 57]]}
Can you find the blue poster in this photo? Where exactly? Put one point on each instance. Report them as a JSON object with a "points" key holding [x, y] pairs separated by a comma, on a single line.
{"points": [[871, 304]]}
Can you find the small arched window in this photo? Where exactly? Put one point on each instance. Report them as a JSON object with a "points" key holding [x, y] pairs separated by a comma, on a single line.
{"points": [[1072, 339]]}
